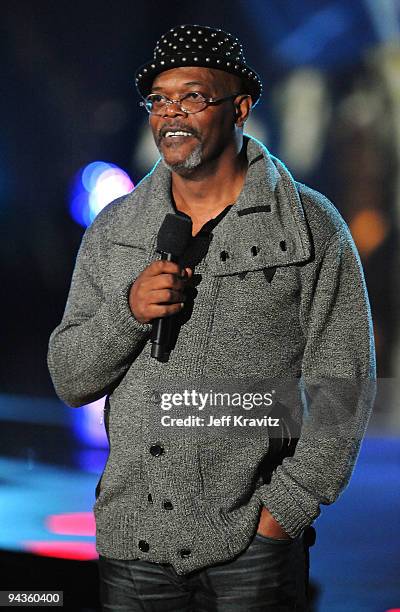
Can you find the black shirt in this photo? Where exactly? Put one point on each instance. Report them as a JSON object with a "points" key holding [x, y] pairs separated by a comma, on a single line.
{"points": [[199, 244]]}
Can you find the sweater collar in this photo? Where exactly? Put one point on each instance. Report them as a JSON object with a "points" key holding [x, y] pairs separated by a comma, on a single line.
{"points": [[266, 227]]}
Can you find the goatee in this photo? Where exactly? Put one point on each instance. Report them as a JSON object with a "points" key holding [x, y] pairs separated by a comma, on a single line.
{"points": [[185, 167]]}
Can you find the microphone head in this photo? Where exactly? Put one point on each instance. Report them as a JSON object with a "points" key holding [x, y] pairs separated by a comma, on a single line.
{"points": [[174, 234]]}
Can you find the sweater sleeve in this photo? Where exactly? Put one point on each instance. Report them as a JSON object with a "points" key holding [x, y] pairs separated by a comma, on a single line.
{"points": [[338, 380], [98, 337]]}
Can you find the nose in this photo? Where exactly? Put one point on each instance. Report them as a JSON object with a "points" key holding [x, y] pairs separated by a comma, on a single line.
{"points": [[172, 108]]}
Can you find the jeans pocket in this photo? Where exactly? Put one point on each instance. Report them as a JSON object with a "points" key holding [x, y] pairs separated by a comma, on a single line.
{"points": [[278, 573], [275, 541]]}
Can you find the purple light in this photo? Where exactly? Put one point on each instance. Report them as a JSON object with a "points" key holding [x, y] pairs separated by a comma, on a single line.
{"points": [[95, 186], [89, 424]]}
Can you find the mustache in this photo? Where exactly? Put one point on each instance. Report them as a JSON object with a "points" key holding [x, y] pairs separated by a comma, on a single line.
{"points": [[177, 126]]}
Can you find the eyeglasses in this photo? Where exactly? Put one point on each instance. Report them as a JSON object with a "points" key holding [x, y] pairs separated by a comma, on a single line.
{"points": [[192, 102]]}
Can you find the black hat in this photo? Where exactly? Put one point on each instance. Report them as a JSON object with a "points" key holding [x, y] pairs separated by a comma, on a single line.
{"points": [[194, 45]]}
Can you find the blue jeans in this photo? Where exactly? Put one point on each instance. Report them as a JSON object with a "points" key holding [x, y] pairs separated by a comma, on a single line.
{"points": [[269, 575]]}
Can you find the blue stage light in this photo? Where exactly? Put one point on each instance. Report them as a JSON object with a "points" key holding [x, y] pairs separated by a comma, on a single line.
{"points": [[95, 186]]}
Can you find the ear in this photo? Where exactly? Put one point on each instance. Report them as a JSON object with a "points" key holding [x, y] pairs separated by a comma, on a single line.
{"points": [[243, 103]]}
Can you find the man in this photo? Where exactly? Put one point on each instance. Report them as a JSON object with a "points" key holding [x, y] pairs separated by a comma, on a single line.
{"points": [[270, 286]]}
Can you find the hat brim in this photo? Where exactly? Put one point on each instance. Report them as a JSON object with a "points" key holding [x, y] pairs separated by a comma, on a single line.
{"points": [[146, 74]]}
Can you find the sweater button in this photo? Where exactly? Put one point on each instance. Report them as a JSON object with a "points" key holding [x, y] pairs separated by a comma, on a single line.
{"points": [[156, 450], [155, 397], [167, 505], [150, 498], [143, 545], [185, 553], [224, 255]]}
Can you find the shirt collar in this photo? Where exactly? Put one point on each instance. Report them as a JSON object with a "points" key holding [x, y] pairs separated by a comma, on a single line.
{"points": [[266, 227], [208, 227]]}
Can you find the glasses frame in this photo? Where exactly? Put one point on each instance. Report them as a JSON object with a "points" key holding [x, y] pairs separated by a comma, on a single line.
{"points": [[169, 101]]}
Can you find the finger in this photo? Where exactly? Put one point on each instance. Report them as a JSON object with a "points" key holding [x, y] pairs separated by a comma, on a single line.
{"points": [[156, 311], [165, 296], [162, 266], [166, 281]]}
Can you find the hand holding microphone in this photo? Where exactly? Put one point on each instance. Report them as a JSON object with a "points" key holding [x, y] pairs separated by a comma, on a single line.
{"points": [[158, 292]]}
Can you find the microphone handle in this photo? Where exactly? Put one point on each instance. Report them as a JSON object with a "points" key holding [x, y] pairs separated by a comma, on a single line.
{"points": [[161, 329]]}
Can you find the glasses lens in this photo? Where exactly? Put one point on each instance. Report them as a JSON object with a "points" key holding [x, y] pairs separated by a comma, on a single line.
{"points": [[193, 102], [155, 103]]}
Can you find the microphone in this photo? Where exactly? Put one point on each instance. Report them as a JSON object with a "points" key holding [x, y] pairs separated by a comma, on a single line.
{"points": [[173, 237]]}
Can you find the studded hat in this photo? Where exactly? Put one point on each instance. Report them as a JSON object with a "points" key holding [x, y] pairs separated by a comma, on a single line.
{"points": [[194, 45]]}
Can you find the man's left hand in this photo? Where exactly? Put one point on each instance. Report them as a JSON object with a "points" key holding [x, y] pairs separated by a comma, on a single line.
{"points": [[269, 527]]}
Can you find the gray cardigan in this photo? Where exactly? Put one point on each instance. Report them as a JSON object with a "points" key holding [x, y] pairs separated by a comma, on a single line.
{"points": [[280, 295]]}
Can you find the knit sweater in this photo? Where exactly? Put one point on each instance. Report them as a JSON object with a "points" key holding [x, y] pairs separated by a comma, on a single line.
{"points": [[280, 294]]}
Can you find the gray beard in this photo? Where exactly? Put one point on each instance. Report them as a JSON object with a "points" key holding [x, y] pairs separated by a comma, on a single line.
{"points": [[192, 161]]}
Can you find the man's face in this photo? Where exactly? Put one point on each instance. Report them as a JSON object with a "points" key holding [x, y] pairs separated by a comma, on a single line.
{"points": [[211, 130]]}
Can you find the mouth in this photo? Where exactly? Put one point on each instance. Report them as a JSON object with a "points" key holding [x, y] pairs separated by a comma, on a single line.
{"points": [[178, 134], [169, 135]]}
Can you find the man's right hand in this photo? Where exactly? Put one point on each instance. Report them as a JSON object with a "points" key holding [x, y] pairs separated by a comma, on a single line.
{"points": [[158, 291]]}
